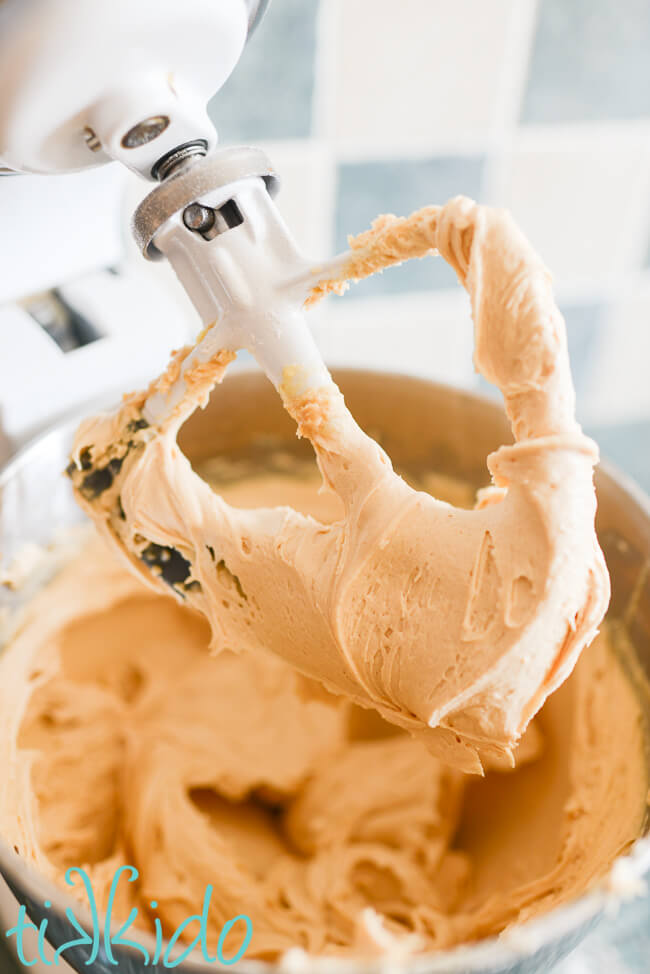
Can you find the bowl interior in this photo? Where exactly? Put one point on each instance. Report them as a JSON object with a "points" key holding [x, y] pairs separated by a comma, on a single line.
{"points": [[422, 425]]}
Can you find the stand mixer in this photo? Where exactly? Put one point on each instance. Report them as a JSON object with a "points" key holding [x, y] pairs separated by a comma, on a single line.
{"points": [[135, 92]]}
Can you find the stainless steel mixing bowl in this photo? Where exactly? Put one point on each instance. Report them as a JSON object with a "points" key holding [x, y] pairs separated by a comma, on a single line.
{"points": [[423, 426]]}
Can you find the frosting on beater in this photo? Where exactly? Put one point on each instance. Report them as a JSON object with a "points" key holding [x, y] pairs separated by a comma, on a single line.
{"points": [[453, 624]]}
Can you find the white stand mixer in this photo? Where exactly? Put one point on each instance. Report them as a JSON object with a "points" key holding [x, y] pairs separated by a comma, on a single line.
{"points": [[83, 84]]}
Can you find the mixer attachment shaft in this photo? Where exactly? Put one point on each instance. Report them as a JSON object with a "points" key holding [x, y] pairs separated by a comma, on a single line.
{"points": [[216, 223]]}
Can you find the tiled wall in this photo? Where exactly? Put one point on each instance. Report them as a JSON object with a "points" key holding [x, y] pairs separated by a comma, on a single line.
{"points": [[543, 106]]}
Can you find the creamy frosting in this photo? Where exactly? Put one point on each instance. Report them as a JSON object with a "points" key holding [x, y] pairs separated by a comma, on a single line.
{"points": [[122, 739], [453, 624]]}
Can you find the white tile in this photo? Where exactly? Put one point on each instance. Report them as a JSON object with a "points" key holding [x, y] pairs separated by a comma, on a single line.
{"points": [[618, 388], [582, 199], [425, 335], [306, 198], [418, 74]]}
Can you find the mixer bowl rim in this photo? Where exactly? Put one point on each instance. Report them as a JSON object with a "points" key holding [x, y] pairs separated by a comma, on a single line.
{"points": [[74, 416], [512, 945]]}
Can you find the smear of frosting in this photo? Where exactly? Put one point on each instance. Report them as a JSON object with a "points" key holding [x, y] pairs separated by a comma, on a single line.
{"points": [[455, 625]]}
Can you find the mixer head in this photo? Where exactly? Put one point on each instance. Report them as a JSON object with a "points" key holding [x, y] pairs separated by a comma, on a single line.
{"points": [[83, 83]]}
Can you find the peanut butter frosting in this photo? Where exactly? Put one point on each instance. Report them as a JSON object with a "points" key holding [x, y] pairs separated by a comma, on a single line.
{"points": [[124, 740], [455, 625]]}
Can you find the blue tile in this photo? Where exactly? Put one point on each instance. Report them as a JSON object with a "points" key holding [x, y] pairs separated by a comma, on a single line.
{"points": [[590, 62], [400, 186], [244, 359], [584, 324], [485, 388], [628, 446], [270, 93]]}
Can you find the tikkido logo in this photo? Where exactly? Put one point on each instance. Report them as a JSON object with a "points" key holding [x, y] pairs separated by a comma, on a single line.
{"points": [[101, 944]]}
